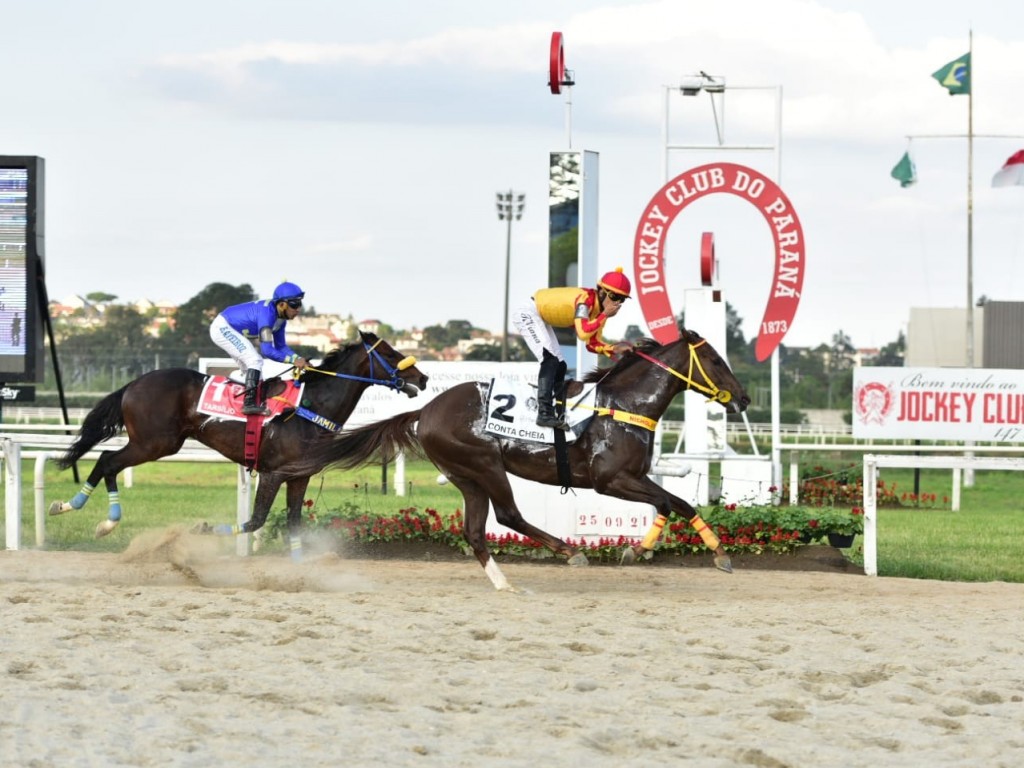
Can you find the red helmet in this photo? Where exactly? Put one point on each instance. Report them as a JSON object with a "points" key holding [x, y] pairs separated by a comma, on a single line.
{"points": [[616, 282]]}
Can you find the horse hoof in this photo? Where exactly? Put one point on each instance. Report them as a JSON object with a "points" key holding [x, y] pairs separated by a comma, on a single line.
{"points": [[577, 560], [723, 563], [59, 508], [628, 556], [105, 527], [201, 529]]}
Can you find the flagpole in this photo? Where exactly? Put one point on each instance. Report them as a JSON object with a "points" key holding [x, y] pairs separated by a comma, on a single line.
{"points": [[969, 472], [970, 204]]}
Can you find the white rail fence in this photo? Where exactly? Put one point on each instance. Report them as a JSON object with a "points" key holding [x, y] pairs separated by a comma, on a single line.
{"points": [[872, 462], [17, 445]]}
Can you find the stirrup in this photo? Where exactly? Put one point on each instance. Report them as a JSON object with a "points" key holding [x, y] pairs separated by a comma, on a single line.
{"points": [[552, 421]]}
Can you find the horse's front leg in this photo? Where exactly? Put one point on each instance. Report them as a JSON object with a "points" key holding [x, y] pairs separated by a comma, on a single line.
{"points": [[296, 496], [641, 488], [265, 494]]}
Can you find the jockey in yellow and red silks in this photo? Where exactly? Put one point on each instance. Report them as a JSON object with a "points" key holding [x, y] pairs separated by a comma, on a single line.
{"points": [[585, 310]]}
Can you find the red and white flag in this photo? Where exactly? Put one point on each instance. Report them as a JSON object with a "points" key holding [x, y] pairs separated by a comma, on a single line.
{"points": [[1012, 173]]}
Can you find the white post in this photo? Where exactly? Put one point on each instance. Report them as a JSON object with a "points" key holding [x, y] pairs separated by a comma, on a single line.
{"points": [[870, 516], [794, 479], [400, 474], [243, 511], [956, 485], [12, 501], [40, 497]]}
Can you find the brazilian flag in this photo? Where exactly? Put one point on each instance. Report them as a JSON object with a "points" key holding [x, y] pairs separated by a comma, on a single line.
{"points": [[956, 76]]}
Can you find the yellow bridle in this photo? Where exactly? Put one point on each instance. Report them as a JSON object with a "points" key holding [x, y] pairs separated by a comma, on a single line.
{"points": [[708, 388]]}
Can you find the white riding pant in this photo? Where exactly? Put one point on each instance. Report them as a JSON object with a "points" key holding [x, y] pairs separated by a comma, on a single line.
{"points": [[537, 334], [235, 344]]}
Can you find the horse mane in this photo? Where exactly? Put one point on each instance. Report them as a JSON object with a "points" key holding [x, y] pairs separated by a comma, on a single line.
{"points": [[333, 361], [623, 363], [626, 361]]}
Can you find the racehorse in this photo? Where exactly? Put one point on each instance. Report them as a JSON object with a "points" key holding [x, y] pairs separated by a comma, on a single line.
{"points": [[160, 409], [612, 456]]}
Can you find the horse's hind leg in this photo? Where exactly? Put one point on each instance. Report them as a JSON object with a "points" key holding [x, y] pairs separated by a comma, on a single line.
{"points": [[109, 465], [79, 499], [474, 528], [507, 513]]}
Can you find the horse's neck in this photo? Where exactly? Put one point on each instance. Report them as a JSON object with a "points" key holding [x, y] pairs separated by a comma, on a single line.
{"points": [[339, 398], [644, 389]]}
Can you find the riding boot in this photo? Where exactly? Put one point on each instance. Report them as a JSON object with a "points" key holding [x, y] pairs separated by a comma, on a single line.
{"points": [[253, 403], [559, 390], [546, 393]]}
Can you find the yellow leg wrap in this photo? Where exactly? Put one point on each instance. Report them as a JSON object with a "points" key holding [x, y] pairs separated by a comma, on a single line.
{"points": [[706, 534], [654, 533]]}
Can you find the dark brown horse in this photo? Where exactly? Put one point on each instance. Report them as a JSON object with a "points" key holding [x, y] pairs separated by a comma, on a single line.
{"points": [[159, 411], [612, 456]]}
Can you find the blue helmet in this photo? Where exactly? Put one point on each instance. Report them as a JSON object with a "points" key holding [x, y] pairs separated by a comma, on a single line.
{"points": [[286, 291]]}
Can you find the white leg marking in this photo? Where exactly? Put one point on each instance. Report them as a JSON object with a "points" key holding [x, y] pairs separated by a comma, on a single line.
{"points": [[496, 576]]}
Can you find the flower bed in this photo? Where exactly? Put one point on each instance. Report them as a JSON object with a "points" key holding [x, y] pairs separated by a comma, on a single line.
{"points": [[780, 530]]}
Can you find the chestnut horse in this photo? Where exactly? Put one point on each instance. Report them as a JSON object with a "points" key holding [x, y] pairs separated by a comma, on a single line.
{"points": [[612, 456], [158, 410]]}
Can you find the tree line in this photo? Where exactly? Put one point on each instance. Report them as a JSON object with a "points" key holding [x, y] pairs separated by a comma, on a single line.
{"points": [[118, 348]]}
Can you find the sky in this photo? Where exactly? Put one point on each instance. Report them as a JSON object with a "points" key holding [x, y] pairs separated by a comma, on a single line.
{"points": [[357, 148]]}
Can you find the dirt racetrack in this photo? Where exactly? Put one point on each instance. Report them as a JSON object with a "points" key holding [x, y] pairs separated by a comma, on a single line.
{"points": [[176, 654]]}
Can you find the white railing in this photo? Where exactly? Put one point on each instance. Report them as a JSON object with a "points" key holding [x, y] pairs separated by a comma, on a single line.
{"points": [[44, 447], [26, 414], [956, 463]]}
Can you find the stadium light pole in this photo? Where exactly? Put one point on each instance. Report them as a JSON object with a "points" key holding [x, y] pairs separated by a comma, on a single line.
{"points": [[510, 206]]}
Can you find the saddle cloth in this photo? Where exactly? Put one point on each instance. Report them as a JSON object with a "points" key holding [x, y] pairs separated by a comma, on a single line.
{"points": [[223, 398], [512, 413]]}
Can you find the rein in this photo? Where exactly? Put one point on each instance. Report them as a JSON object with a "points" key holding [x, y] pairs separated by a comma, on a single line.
{"points": [[394, 381], [708, 388]]}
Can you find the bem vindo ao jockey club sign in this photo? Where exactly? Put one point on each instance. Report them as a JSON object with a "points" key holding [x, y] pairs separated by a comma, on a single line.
{"points": [[787, 234]]}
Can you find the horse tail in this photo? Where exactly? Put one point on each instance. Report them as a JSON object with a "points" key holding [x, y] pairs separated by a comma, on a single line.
{"points": [[102, 423], [380, 441]]}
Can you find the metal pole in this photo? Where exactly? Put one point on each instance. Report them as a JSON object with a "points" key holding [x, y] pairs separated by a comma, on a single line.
{"points": [[776, 376], [508, 261], [970, 211]]}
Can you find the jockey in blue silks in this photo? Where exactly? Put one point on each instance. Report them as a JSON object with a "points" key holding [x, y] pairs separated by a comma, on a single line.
{"points": [[237, 328]]}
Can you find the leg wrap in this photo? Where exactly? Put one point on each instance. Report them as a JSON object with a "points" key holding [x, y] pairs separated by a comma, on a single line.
{"points": [[652, 536], [115, 506], [79, 499], [706, 534]]}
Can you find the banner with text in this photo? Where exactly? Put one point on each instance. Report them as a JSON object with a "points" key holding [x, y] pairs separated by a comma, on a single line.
{"points": [[977, 404]]}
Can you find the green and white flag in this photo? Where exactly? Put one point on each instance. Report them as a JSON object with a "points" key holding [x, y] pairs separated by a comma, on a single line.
{"points": [[904, 171], [956, 76]]}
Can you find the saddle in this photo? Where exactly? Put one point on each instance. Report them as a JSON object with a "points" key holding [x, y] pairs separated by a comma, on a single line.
{"points": [[512, 413]]}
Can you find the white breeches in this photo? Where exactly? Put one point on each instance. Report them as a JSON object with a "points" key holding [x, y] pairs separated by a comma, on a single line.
{"points": [[235, 344], [537, 334]]}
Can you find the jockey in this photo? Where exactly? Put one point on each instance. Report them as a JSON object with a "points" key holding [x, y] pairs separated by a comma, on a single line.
{"points": [[585, 310], [236, 328]]}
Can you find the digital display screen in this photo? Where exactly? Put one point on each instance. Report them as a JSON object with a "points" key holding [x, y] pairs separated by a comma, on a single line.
{"points": [[13, 268], [21, 269]]}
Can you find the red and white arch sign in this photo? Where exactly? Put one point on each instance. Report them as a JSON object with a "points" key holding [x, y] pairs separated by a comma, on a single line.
{"points": [[787, 234]]}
